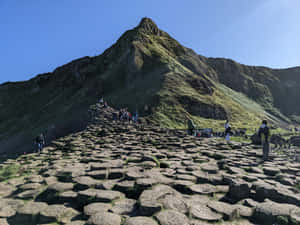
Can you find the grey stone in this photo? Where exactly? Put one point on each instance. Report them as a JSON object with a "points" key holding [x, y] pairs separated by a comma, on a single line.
{"points": [[104, 218], [140, 220], [94, 208], [171, 217]]}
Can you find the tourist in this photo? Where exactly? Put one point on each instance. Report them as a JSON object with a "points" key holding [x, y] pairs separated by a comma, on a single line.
{"points": [[101, 101], [227, 131], [105, 104], [264, 135], [115, 116], [135, 117], [40, 141]]}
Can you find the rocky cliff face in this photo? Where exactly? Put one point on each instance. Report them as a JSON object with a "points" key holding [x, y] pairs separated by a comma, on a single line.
{"points": [[145, 67]]}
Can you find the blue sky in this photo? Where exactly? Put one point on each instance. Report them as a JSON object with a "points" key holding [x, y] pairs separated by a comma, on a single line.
{"points": [[39, 35]]}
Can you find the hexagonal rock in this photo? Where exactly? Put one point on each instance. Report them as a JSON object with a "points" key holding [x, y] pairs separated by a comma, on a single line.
{"points": [[271, 212], [229, 211], [66, 174], [124, 207], [124, 186], [94, 208], [30, 186], [202, 212], [203, 189], [95, 195], [271, 171], [204, 177], [210, 168], [295, 216], [155, 174], [6, 211], [57, 213], [140, 220], [197, 199], [238, 190], [6, 190], [85, 182], [98, 174], [186, 177], [104, 218], [108, 184], [32, 208], [172, 217], [28, 213], [29, 194], [106, 165], [8, 207], [50, 180], [244, 211], [278, 194], [67, 197], [149, 199], [35, 179], [60, 186], [182, 186], [175, 202], [146, 182]]}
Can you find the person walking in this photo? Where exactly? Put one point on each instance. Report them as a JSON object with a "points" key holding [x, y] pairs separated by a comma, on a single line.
{"points": [[227, 131], [264, 135], [40, 141]]}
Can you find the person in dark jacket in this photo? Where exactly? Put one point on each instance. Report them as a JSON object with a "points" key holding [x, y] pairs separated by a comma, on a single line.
{"points": [[40, 142], [265, 135], [227, 131]]}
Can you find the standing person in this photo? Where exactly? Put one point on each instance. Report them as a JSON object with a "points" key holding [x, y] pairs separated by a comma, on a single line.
{"points": [[105, 104], [191, 126], [40, 141], [136, 116], [129, 116], [120, 114], [227, 131], [115, 116], [101, 101], [264, 135]]}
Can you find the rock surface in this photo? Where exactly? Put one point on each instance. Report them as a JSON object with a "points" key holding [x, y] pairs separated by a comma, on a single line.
{"points": [[120, 173]]}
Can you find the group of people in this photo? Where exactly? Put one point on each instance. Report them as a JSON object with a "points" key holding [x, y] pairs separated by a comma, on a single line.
{"points": [[122, 115], [263, 133], [103, 103], [125, 115], [192, 130]]}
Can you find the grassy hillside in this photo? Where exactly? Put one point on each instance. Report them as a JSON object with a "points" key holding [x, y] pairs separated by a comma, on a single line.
{"points": [[277, 91]]}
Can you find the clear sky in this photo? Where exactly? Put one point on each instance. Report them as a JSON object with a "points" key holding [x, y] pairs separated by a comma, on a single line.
{"points": [[39, 35]]}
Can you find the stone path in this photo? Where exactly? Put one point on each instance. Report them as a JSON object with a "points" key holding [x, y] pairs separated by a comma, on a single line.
{"points": [[113, 174]]}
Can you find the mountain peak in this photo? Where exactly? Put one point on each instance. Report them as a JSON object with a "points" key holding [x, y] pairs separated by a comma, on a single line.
{"points": [[147, 25]]}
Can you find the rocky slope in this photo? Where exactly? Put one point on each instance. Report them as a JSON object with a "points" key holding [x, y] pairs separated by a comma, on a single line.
{"points": [[118, 173], [146, 67]]}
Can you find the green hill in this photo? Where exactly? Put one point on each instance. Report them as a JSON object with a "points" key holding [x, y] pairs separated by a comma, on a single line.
{"points": [[146, 67]]}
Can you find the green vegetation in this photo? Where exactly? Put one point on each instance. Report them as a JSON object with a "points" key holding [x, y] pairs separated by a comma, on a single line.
{"points": [[10, 171], [297, 187], [283, 220]]}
